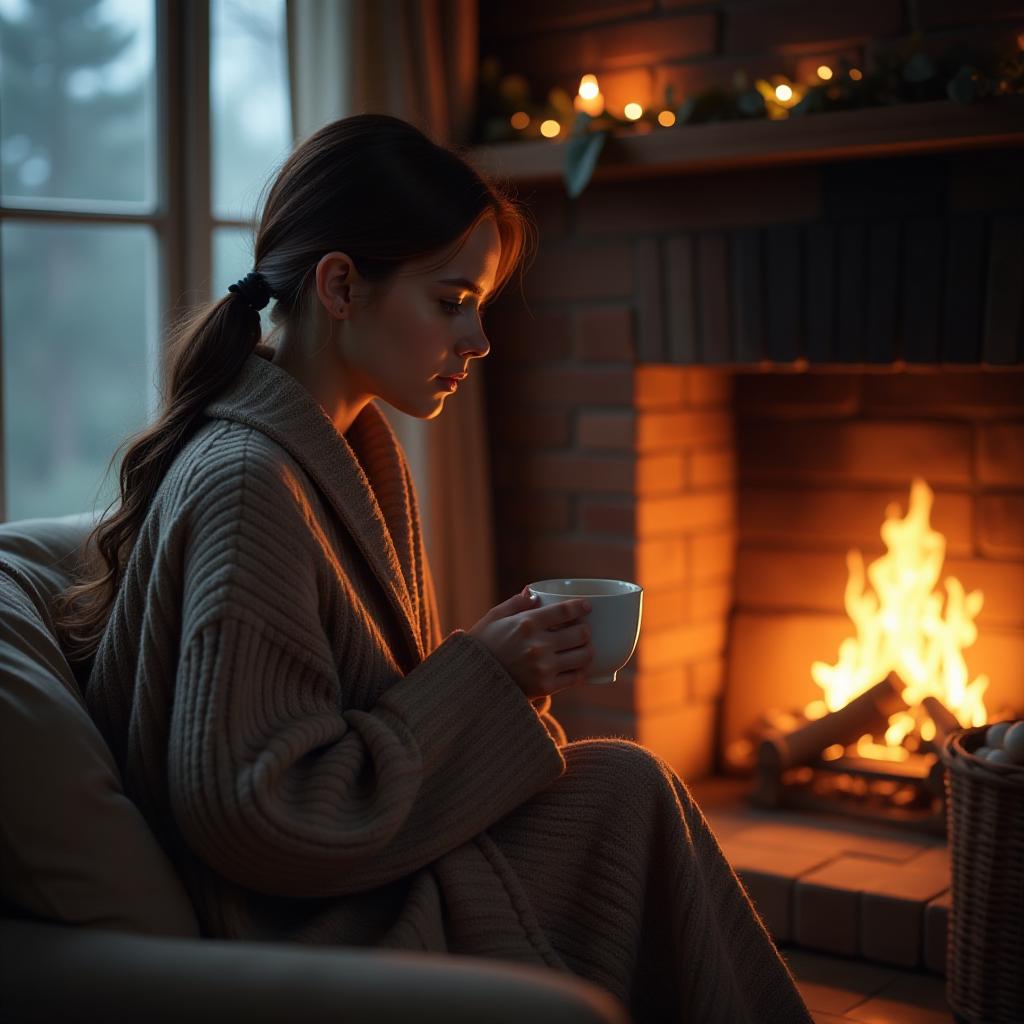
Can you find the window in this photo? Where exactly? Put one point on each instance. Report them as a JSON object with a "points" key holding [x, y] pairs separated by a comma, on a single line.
{"points": [[119, 200]]}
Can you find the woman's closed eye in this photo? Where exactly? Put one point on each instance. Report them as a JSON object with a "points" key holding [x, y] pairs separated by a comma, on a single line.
{"points": [[450, 306]]}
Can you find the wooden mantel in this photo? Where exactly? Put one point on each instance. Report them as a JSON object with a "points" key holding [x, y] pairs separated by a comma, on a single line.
{"points": [[901, 130]]}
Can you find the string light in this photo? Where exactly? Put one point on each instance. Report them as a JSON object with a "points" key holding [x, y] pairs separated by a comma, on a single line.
{"points": [[588, 87], [666, 118], [520, 119], [824, 72], [783, 93], [856, 74], [633, 111], [549, 129]]}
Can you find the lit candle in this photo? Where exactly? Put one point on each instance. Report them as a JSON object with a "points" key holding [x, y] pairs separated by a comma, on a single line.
{"points": [[589, 99]]}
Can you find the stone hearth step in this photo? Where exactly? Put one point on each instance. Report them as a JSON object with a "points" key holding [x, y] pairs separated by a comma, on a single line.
{"points": [[835, 885]]}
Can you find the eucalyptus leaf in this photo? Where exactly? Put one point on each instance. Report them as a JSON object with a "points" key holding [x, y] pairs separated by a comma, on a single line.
{"points": [[751, 104], [961, 88], [919, 68], [581, 153]]}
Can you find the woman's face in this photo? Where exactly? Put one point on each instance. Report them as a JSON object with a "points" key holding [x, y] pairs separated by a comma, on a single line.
{"points": [[423, 325]]}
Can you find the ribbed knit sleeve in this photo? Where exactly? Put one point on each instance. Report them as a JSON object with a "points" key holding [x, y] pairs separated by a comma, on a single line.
{"points": [[272, 780]]}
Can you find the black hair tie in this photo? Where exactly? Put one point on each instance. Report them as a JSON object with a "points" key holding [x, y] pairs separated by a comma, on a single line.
{"points": [[254, 290]]}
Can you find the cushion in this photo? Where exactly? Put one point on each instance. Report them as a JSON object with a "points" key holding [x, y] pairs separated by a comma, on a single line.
{"points": [[73, 847]]}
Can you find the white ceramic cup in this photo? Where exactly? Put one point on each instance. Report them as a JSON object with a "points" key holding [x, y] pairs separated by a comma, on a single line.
{"points": [[614, 619]]}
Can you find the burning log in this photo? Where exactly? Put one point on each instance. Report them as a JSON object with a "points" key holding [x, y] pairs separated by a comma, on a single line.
{"points": [[944, 719], [866, 713]]}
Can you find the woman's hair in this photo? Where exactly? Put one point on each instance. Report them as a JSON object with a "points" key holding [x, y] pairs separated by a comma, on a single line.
{"points": [[372, 186]]}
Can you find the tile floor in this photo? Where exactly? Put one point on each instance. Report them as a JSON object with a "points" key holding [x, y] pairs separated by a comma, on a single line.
{"points": [[838, 990]]}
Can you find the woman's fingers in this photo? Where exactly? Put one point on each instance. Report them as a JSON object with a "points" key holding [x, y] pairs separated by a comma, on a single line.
{"points": [[571, 638], [561, 613]]}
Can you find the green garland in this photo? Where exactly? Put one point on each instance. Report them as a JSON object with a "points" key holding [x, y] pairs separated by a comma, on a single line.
{"points": [[905, 75]]}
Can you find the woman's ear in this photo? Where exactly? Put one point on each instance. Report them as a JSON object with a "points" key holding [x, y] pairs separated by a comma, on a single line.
{"points": [[335, 274]]}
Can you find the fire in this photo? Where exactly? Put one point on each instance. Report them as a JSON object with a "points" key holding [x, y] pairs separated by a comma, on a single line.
{"points": [[903, 627]]}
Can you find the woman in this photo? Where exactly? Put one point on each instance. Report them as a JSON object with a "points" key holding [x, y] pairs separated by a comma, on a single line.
{"points": [[268, 668]]}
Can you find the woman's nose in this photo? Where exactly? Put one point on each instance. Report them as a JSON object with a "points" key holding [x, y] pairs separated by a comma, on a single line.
{"points": [[476, 348]]}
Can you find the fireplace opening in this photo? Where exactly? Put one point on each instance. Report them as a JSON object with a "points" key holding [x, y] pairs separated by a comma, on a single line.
{"points": [[851, 656]]}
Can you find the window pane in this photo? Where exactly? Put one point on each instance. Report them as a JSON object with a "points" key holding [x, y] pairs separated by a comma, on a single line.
{"points": [[80, 365], [77, 102], [232, 259], [250, 118]]}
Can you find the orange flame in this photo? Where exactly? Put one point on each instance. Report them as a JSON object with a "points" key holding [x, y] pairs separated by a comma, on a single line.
{"points": [[902, 627]]}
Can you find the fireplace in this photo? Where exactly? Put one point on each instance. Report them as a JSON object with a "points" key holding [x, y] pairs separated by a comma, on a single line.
{"points": [[632, 440]]}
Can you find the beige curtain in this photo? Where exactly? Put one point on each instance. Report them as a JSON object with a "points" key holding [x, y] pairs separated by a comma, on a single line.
{"points": [[414, 59]]}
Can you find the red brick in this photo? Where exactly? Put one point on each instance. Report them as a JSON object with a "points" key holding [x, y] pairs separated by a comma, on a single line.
{"points": [[541, 15], [722, 200], [782, 580], [797, 395], [788, 27], [679, 645], [840, 516], [567, 271], [709, 387], [555, 557], [605, 334], [566, 386], [665, 609], [947, 13], [613, 430], [769, 874], [977, 394], [712, 468], [863, 452], [683, 736], [892, 914], [713, 555], [549, 512], [659, 474], [660, 563], [786, 580], [827, 905], [598, 516], [1001, 525], [582, 723], [656, 430], [545, 427], [721, 73], [646, 691], [1002, 583], [632, 85], [659, 387], [598, 474], [710, 601], [686, 514], [622, 45], [549, 206], [645, 42], [520, 335], [1001, 453], [707, 679]]}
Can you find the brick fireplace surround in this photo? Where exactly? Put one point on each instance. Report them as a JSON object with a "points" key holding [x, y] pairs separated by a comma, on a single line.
{"points": [[718, 380], [729, 356]]}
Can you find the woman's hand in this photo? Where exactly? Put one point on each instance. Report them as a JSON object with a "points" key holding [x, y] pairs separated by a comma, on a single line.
{"points": [[543, 649]]}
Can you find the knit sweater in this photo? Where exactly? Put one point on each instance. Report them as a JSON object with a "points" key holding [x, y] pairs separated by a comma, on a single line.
{"points": [[323, 766]]}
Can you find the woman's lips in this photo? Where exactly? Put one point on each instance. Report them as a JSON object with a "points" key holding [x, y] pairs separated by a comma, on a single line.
{"points": [[449, 384]]}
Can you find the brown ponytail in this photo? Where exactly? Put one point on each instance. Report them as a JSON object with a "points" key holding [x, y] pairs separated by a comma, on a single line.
{"points": [[371, 185]]}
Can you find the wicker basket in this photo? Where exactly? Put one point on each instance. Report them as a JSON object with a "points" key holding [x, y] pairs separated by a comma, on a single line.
{"points": [[985, 951]]}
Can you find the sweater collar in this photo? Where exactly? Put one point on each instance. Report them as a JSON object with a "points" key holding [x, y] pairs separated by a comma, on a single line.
{"points": [[363, 474]]}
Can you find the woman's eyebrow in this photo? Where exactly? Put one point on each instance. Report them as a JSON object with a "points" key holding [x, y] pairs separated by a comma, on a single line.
{"points": [[463, 282]]}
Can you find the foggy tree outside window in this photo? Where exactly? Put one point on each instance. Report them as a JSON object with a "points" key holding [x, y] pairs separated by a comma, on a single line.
{"points": [[80, 310]]}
